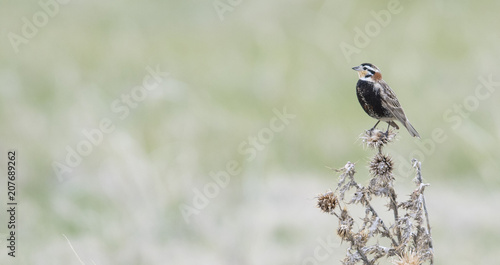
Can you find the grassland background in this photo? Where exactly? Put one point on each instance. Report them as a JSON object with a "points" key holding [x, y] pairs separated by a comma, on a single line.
{"points": [[121, 204]]}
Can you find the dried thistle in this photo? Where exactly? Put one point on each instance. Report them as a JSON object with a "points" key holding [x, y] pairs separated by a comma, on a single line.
{"points": [[344, 232], [382, 165], [346, 219], [376, 138], [408, 258], [409, 231], [348, 172], [378, 251], [327, 202]]}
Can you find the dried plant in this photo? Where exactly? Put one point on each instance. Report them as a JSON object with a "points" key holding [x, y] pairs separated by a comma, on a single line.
{"points": [[408, 235]]}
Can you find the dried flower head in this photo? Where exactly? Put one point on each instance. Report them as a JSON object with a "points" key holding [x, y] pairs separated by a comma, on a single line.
{"points": [[344, 231], [381, 165], [408, 258], [327, 202], [376, 138], [345, 225]]}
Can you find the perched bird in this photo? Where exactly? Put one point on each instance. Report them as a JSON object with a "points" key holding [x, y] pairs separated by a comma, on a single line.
{"points": [[378, 100]]}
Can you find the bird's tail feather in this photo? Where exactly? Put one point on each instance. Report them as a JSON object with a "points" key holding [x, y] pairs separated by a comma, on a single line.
{"points": [[411, 129]]}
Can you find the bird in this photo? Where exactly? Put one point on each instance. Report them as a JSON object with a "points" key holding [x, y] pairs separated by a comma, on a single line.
{"points": [[378, 99]]}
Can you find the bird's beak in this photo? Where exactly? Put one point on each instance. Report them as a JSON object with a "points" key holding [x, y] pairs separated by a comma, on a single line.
{"points": [[357, 68]]}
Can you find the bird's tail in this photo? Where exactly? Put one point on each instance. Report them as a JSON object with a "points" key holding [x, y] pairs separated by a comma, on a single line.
{"points": [[411, 129]]}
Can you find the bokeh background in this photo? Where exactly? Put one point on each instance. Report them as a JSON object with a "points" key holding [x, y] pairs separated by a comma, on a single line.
{"points": [[231, 65]]}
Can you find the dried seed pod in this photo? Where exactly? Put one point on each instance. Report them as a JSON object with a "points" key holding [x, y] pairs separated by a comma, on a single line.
{"points": [[327, 202], [376, 138], [344, 231], [382, 165], [408, 258]]}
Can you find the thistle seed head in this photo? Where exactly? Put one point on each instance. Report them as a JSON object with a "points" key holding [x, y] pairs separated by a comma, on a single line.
{"points": [[327, 202], [376, 138], [408, 258], [344, 231], [381, 165]]}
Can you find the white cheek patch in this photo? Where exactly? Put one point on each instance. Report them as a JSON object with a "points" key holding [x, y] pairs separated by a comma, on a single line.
{"points": [[367, 79]]}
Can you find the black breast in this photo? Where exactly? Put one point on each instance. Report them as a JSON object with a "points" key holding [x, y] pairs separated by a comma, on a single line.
{"points": [[370, 100]]}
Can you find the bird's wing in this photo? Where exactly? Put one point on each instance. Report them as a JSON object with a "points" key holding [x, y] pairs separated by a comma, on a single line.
{"points": [[390, 102]]}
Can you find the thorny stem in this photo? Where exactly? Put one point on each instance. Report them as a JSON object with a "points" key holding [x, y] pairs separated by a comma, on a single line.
{"points": [[360, 252], [363, 256], [396, 215], [418, 166], [386, 230], [394, 206]]}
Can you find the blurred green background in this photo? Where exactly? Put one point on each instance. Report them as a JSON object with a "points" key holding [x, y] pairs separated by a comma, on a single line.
{"points": [[231, 65]]}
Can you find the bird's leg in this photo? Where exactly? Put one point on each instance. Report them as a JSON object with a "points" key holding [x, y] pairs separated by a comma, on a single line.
{"points": [[375, 126], [387, 132]]}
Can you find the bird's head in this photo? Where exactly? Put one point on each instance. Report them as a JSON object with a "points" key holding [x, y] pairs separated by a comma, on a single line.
{"points": [[368, 72]]}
